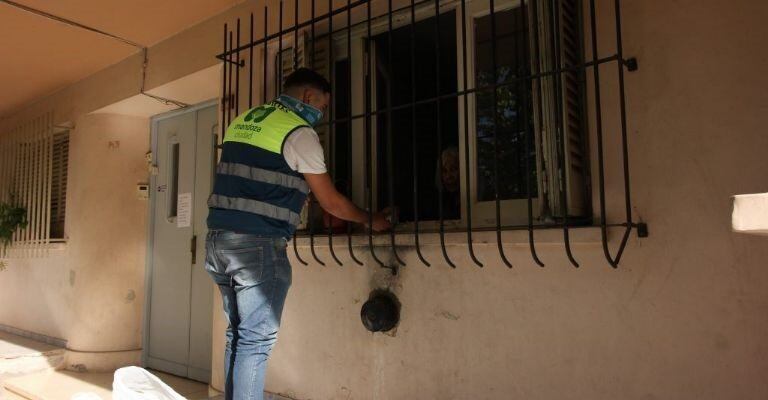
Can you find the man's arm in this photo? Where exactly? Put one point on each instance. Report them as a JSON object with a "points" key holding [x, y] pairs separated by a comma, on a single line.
{"points": [[338, 205]]}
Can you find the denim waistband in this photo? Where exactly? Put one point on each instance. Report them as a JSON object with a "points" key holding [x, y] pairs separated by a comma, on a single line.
{"points": [[231, 235]]}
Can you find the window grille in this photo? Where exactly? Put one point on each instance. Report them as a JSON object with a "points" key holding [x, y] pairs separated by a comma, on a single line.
{"points": [[498, 85], [34, 160]]}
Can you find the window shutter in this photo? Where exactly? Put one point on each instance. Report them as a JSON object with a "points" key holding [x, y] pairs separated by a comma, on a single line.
{"points": [[574, 163], [573, 113], [287, 59], [316, 57], [59, 167]]}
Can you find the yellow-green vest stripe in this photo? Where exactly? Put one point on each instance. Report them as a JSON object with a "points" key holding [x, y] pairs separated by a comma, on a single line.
{"points": [[265, 127]]}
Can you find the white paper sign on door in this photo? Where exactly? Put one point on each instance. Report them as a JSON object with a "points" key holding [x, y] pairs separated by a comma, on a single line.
{"points": [[184, 210]]}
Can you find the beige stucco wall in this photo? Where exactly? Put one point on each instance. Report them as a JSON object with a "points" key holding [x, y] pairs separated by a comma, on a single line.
{"points": [[89, 291], [112, 221], [82, 292], [683, 318]]}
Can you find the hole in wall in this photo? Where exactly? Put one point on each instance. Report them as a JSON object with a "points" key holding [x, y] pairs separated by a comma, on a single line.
{"points": [[381, 313]]}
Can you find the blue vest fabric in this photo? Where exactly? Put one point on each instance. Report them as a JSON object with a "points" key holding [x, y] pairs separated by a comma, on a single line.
{"points": [[255, 190]]}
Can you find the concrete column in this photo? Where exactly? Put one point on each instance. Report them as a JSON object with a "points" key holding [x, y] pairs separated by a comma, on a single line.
{"points": [[106, 224]]}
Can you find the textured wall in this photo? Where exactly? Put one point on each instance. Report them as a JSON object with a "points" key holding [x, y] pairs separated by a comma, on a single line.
{"points": [[90, 292], [684, 316]]}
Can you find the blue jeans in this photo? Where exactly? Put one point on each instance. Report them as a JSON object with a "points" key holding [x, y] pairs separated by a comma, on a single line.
{"points": [[253, 275]]}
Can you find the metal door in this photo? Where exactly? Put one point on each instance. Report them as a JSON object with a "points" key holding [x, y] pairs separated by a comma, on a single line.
{"points": [[178, 339]]}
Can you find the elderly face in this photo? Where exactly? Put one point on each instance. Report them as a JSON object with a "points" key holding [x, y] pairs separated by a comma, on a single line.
{"points": [[449, 164]]}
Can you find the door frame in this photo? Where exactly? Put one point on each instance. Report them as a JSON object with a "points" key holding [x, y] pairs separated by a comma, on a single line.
{"points": [[149, 267]]}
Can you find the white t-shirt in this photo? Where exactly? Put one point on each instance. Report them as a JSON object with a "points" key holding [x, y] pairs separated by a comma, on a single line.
{"points": [[304, 153]]}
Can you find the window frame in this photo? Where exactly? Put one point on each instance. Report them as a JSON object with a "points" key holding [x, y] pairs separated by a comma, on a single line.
{"points": [[28, 153], [483, 212], [514, 211]]}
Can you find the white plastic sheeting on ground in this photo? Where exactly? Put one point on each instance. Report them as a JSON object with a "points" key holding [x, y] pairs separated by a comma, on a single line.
{"points": [[85, 396], [134, 383]]}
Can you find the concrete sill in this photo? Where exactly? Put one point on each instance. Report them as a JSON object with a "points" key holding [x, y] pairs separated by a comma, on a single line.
{"points": [[50, 246], [58, 246], [21, 251], [589, 235], [750, 214]]}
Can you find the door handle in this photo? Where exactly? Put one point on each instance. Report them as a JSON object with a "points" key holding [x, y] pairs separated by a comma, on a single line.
{"points": [[193, 249]]}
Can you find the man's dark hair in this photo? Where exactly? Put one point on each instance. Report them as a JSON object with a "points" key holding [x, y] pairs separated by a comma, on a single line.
{"points": [[307, 77]]}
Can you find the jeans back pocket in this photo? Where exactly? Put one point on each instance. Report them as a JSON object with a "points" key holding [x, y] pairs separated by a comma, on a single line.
{"points": [[245, 265]]}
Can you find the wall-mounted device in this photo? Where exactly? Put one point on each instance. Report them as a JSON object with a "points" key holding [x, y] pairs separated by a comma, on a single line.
{"points": [[142, 190], [153, 170]]}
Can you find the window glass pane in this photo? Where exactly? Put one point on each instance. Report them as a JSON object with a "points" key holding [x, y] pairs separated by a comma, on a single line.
{"points": [[173, 184], [341, 103], [512, 62], [424, 130]]}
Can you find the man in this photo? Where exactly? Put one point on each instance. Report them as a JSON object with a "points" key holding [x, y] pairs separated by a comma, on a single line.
{"points": [[271, 160]]}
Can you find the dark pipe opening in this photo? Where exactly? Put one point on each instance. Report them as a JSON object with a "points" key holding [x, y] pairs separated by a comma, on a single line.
{"points": [[381, 312]]}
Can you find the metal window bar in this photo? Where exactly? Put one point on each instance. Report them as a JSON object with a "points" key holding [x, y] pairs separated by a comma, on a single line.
{"points": [[439, 135], [237, 73], [528, 129], [368, 141], [349, 125], [465, 98], [331, 132], [250, 65], [311, 222], [560, 140], [494, 100], [389, 145], [414, 142], [528, 84]]}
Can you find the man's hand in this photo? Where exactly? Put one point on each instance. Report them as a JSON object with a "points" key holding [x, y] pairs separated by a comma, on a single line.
{"points": [[339, 206], [380, 222]]}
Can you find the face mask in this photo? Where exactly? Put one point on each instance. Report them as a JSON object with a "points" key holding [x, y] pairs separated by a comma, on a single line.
{"points": [[310, 114]]}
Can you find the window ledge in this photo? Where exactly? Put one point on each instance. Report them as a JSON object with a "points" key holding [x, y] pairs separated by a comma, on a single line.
{"points": [[587, 235], [48, 246]]}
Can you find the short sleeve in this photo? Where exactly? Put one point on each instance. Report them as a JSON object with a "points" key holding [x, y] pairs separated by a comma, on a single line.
{"points": [[304, 153]]}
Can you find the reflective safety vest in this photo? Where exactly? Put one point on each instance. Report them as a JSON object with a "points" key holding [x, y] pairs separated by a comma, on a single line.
{"points": [[255, 191]]}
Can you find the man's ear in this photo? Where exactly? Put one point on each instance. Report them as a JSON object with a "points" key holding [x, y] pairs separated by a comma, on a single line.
{"points": [[306, 96]]}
